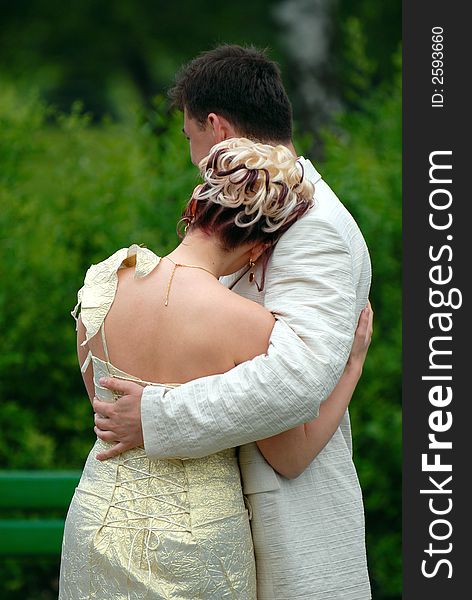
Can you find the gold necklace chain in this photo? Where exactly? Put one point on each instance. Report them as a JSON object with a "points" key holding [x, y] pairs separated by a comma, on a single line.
{"points": [[176, 265]]}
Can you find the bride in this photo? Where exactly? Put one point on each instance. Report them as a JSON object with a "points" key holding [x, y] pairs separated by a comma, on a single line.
{"points": [[179, 528]]}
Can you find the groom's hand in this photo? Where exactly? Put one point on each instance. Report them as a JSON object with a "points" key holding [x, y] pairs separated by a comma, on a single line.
{"points": [[119, 421]]}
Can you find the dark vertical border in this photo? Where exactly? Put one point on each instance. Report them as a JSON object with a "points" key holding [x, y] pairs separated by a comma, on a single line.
{"points": [[427, 129]]}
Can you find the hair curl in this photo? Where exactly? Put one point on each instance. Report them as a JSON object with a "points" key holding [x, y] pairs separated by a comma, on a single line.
{"points": [[251, 192]]}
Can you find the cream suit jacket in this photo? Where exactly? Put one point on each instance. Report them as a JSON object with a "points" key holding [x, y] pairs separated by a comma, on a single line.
{"points": [[309, 531]]}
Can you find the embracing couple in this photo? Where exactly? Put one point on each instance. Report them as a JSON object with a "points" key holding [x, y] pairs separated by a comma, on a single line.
{"points": [[221, 374]]}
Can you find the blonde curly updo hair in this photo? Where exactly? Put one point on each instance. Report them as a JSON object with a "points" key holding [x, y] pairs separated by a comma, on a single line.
{"points": [[251, 192]]}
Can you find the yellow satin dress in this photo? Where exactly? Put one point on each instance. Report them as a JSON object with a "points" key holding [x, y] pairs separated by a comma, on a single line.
{"points": [[139, 529]]}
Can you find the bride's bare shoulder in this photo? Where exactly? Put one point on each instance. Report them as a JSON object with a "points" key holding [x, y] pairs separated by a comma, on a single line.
{"points": [[247, 323]]}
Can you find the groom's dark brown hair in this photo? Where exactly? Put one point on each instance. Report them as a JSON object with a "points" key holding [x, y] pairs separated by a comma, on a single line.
{"points": [[240, 84]]}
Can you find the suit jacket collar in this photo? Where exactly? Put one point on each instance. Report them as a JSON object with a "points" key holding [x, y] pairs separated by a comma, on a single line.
{"points": [[310, 172]]}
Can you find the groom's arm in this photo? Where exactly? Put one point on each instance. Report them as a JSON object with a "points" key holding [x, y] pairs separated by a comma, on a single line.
{"points": [[310, 288]]}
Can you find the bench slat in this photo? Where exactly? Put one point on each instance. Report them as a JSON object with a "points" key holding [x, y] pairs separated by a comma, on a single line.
{"points": [[23, 537], [37, 489]]}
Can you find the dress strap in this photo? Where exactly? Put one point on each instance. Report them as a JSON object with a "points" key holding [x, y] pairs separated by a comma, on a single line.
{"points": [[86, 362], [104, 342]]}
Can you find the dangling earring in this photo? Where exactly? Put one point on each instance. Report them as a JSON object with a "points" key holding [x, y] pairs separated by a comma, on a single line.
{"points": [[252, 275], [193, 210]]}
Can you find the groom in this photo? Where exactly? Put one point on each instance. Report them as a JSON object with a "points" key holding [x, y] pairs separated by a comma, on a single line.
{"points": [[317, 283]]}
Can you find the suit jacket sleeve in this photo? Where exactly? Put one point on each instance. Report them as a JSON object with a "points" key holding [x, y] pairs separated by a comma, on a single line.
{"points": [[310, 290]]}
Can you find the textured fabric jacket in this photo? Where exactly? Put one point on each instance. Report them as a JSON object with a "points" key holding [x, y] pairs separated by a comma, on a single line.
{"points": [[308, 532]]}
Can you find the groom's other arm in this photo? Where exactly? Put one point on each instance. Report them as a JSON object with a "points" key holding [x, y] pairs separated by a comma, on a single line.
{"points": [[290, 452], [317, 269]]}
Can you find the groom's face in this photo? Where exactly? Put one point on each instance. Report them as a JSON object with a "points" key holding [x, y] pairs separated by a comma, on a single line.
{"points": [[201, 139]]}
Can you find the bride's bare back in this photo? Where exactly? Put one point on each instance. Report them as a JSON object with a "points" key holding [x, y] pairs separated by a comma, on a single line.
{"points": [[205, 328]]}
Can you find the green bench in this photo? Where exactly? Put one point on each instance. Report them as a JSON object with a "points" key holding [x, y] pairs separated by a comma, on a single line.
{"points": [[36, 493]]}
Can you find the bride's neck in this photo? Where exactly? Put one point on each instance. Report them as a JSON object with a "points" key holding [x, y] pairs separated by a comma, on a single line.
{"points": [[198, 248]]}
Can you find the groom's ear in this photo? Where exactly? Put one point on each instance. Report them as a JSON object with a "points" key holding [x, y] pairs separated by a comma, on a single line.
{"points": [[221, 127]]}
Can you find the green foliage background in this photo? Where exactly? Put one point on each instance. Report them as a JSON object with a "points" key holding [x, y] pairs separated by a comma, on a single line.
{"points": [[74, 187]]}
